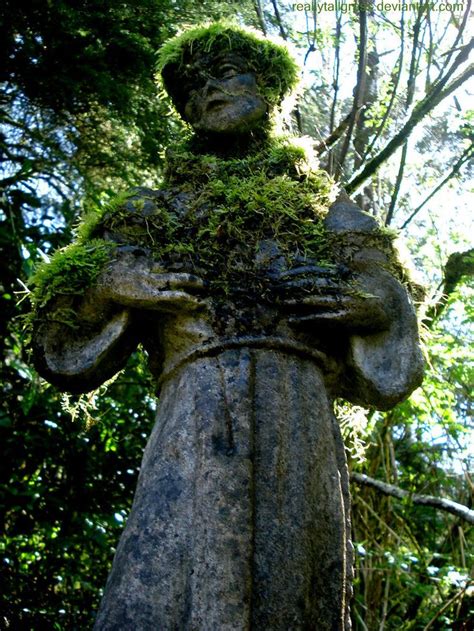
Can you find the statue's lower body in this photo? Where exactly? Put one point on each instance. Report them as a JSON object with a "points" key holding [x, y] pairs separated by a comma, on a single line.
{"points": [[240, 519]]}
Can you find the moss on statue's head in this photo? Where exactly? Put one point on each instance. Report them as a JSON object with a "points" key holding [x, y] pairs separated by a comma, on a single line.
{"points": [[275, 69]]}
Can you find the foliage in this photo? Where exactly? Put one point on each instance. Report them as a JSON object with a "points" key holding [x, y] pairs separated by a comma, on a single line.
{"points": [[413, 565], [65, 502]]}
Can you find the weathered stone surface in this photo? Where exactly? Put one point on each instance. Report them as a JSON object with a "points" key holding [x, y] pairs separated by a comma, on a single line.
{"points": [[382, 368], [241, 476], [241, 518], [347, 217], [80, 363]]}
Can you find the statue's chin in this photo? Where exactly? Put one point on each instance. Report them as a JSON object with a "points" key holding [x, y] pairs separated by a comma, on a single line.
{"points": [[238, 117]]}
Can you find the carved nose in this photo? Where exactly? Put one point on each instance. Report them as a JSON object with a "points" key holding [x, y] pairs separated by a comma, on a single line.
{"points": [[212, 85]]}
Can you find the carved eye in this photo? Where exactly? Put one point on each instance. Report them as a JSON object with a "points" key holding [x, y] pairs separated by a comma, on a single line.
{"points": [[229, 70]]}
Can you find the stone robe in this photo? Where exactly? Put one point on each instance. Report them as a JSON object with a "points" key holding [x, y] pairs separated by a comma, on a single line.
{"points": [[241, 514]]}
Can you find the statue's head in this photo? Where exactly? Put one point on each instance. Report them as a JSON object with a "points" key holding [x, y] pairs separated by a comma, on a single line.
{"points": [[224, 79]]}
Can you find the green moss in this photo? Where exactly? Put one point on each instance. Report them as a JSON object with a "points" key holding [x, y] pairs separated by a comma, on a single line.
{"points": [[213, 217], [229, 207], [87, 228], [70, 271], [189, 162], [275, 69]]}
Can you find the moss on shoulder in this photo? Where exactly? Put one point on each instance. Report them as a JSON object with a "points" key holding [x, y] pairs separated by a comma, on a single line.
{"points": [[69, 273], [87, 227]]}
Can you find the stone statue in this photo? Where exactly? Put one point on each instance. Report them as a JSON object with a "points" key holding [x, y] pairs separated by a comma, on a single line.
{"points": [[259, 298]]}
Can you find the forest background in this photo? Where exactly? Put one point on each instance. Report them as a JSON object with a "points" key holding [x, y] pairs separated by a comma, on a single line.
{"points": [[385, 102]]}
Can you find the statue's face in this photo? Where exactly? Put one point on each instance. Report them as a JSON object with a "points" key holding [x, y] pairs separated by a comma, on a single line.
{"points": [[224, 99]]}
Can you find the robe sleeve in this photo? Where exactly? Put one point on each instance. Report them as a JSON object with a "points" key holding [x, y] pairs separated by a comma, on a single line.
{"points": [[80, 359], [81, 355], [110, 319], [381, 368]]}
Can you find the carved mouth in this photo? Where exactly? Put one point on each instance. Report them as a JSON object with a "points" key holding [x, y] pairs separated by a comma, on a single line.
{"points": [[216, 102]]}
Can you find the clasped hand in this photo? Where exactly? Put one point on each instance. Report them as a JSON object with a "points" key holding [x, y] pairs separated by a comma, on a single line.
{"points": [[308, 294], [333, 297], [139, 283]]}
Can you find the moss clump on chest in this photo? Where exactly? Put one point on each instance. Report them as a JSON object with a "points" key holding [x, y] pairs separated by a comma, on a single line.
{"points": [[213, 214]]}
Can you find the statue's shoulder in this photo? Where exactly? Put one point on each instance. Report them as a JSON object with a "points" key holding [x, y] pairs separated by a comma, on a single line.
{"points": [[148, 202], [144, 201], [142, 205], [345, 216]]}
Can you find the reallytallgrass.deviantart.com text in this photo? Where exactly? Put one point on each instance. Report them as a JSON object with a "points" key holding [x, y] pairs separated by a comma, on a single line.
{"points": [[316, 6]]}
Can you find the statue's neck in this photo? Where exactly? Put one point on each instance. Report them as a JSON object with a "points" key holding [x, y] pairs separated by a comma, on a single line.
{"points": [[230, 146]]}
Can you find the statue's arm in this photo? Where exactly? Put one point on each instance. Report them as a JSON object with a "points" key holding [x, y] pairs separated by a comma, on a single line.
{"points": [[80, 359], [372, 310], [382, 367], [108, 322], [385, 365]]}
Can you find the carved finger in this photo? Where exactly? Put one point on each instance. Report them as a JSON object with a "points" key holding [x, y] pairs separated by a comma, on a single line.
{"points": [[315, 270], [322, 285], [179, 280], [156, 299], [173, 301], [356, 312], [332, 317], [322, 302]]}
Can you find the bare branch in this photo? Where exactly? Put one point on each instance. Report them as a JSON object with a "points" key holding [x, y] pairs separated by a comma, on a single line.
{"points": [[454, 171], [398, 183], [456, 596], [259, 12], [399, 66], [336, 68], [414, 63], [278, 19], [421, 109], [458, 265], [333, 137], [359, 89], [284, 35], [425, 500], [459, 34]]}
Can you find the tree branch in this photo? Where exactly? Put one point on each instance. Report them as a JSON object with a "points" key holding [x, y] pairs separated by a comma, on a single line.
{"points": [[399, 66], [284, 35], [459, 264], [459, 34], [334, 136], [425, 500], [259, 12], [278, 19], [421, 109], [358, 92], [336, 67], [398, 183], [408, 102], [454, 171], [448, 604]]}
